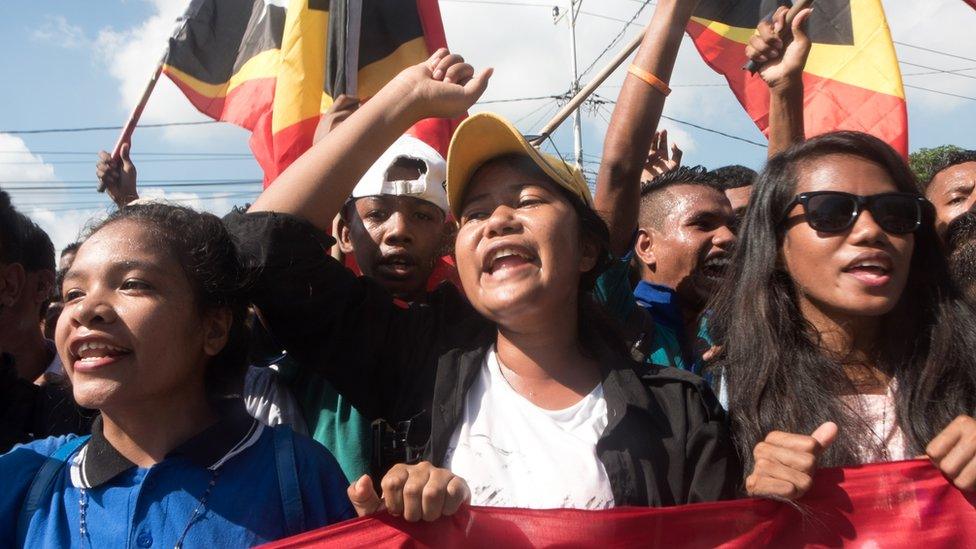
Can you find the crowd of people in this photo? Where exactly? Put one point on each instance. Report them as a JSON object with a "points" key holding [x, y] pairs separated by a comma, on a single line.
{"points": [[507, 339]]}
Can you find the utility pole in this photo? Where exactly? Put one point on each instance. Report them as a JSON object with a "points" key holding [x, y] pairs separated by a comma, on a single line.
{"points": [[574, 85]]}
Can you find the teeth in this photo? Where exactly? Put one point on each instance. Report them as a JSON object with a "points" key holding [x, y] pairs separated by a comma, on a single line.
{"points": [[98, 346], [506, 252]]}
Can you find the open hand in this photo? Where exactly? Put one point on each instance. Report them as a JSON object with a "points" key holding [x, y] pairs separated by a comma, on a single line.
{"points": [[415, 492], [780, 52], [953, 451], [444, 86], [785, 462], [659, 159], [117, 176]]}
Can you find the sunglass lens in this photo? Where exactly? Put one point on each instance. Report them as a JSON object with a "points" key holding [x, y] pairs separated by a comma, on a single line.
{"points": [[897, 214], [830, 212]]}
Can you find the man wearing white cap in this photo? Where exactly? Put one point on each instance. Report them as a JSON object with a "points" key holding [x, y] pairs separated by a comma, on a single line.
{"points": [[393, 223]]}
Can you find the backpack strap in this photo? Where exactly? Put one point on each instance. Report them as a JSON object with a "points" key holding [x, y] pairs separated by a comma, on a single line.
{"points": [[291, 494], [43, 483]]}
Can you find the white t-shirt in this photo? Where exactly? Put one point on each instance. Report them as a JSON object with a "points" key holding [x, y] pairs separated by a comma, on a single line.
{"points": [[513, 453]]}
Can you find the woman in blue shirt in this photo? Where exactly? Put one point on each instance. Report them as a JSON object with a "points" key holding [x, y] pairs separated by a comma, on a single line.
{"points": [[151, 336]]}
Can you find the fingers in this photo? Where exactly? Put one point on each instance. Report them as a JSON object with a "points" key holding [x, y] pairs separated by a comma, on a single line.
{"points": [[798, 460], [392, 485], [458, 73], [953, 451], [762, 50], [413, 493], [779, 19], [662, 145], [458, 494], [440, 69], [363, 497], [435, 58], [825, 435], [477, 85], [799, 482], [423, 491], [676, 155], [799, 34]]}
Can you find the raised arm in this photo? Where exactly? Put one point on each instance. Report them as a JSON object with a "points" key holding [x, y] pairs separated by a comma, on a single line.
{"points": [[635, 119], [316, 185], [782, 54]]}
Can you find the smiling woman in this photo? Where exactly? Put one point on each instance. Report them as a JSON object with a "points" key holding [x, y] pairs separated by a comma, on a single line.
{"points": [[840, 314], [517, 393], [152, 337]]}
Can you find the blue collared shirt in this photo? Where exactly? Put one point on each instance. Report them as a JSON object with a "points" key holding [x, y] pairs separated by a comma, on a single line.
{"points": [[130, 506]]}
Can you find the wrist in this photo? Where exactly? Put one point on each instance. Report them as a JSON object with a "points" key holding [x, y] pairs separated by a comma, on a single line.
{"points": [[787, 85]]}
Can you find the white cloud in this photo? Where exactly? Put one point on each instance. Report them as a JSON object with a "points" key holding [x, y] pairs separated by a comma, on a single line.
{"points": [[19, 164], [130, 55], [58, 31]]}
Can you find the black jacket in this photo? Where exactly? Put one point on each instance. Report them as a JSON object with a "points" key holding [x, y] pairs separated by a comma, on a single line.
{"points": [[667, 441]]}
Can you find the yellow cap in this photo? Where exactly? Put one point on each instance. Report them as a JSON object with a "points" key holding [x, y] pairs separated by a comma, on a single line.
{"points": [[485, 136]]}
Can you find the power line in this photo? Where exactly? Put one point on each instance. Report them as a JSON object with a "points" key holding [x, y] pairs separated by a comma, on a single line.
{"points": [[105, 128], [145, 161], [517, 99], [940, 92], [140, 153], [934, 51], [616, 38], [937, 70], [93, 184], [141, 181]]}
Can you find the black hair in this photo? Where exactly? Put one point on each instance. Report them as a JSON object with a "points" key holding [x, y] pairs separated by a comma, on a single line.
{"points": [[652, 211], [597, 329], [779, 375], [205, 250], [70, 249], [734, 176], [23, 241], [947, 159]]}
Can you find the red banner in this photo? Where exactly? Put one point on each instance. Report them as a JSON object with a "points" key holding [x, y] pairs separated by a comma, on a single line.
{"points": [[901, 504]]}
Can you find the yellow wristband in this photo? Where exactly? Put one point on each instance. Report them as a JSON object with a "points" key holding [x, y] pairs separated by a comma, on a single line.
{"points": [[652, 80]]}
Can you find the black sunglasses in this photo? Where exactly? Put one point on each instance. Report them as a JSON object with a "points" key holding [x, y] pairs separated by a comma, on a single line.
{"points": [[835, 211]]}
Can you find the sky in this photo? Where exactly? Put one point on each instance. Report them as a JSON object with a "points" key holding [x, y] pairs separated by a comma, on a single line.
{"points": [[70, 64]]}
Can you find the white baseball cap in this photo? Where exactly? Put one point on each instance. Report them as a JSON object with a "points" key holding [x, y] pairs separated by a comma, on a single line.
{"points": [[429, 186]]}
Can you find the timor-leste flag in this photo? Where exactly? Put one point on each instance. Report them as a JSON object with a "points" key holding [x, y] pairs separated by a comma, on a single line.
{"points": [[851, 79], [273, 66]]}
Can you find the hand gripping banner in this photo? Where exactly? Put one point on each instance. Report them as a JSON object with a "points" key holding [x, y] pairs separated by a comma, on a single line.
{"points": [[905, 504]]}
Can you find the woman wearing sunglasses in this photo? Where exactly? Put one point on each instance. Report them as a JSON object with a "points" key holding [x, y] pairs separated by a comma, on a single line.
{"points": [[844, 341]]}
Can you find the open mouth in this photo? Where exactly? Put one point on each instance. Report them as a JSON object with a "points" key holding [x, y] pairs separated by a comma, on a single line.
{"points": [[873, 270], [715, 267], [92, 354], [398, 265], [507, 257]]}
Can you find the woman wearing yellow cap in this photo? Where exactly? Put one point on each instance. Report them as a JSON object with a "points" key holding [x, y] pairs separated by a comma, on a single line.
{"points": [[518, 393]]}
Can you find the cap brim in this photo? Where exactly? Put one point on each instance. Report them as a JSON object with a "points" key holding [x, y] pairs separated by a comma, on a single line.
{"points": [[477, 140]]}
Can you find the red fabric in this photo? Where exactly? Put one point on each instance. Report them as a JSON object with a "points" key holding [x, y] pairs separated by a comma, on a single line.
{"points": [[829, 105], [903, 504], [972, 3]]}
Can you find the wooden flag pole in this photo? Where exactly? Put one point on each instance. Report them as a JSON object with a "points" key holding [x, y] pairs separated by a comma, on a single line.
{"points": [[587, 90], [130, 125]]}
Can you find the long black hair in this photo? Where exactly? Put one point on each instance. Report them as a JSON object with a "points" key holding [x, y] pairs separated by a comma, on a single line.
{"points": [[780, 376], [206, 252]]}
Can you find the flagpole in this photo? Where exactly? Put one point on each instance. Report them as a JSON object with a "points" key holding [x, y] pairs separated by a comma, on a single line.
{"points": [[587, 90], [130, 125]]}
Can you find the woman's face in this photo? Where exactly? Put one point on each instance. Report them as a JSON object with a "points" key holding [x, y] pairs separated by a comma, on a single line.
{"points": [[131, 332], [518, 248], [855, 273]]}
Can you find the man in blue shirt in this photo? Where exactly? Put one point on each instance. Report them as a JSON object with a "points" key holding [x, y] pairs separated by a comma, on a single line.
{"points": [[684, 243]]}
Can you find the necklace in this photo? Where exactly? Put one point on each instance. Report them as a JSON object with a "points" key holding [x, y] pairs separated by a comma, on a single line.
{"points": [[198, 513]]}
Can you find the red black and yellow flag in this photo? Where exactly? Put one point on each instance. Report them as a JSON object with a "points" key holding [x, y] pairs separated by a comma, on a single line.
{"points": [[273, 66], [852, 80]]}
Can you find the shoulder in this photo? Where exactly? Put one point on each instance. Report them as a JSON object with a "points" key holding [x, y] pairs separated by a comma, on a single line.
{"points": [[683, 388], [18, 467], [322, 482]]}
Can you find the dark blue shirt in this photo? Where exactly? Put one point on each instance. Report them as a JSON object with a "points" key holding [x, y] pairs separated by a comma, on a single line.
{"points": [[130, 506]]}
